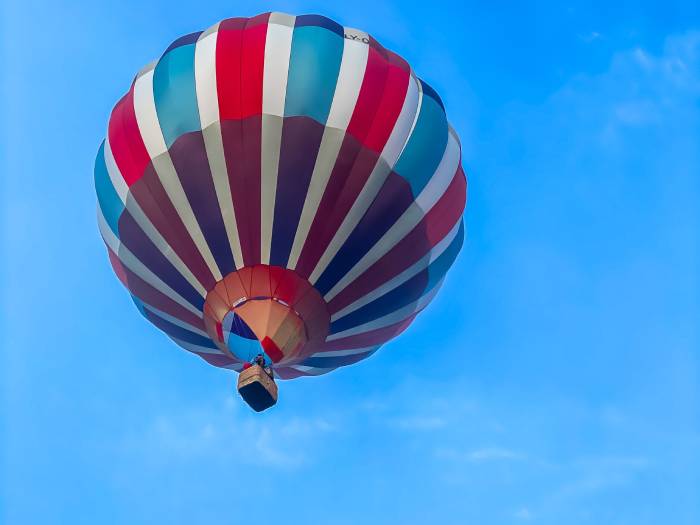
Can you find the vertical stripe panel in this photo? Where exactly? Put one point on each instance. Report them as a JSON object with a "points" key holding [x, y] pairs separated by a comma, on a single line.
{"points": [[124, 134], [174, 93], [207, 101], [155, 143], [313, 71], [278, 48], [371, 187], [350, 80], [107, 197]]}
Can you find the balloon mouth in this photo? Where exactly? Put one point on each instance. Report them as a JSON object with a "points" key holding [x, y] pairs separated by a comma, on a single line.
{"points": [[266, 310]]}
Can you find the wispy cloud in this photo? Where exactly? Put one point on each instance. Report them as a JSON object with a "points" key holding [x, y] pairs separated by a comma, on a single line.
{"points": [[231, 434], [523, 514], [419, 422], [480, 455]]}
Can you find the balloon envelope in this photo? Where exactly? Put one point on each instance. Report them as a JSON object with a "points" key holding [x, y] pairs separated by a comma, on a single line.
{"points": [[280, 184]]}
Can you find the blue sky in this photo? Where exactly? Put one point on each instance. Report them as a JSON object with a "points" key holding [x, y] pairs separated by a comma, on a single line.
{"points": [[554, 380]]}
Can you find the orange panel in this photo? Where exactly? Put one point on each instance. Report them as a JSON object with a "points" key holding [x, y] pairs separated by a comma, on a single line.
{"points": [[234, 287]]}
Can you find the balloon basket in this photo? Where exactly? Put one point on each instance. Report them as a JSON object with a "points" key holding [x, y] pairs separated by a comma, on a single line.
{"points": [[257, 388]]}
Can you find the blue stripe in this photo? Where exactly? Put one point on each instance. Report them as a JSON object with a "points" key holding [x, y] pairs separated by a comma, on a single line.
{"points": [[178, 332], [107, 197], [134, 238], [429, 91], [442, 264], [313, 72], [174, 93], [426, 146], [183, 41], [336, 361], [140, 306], [406, 293], [319, 21], [391, 202]]}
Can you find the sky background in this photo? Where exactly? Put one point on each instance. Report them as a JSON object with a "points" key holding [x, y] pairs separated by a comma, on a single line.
{"points": [[554, 380]]}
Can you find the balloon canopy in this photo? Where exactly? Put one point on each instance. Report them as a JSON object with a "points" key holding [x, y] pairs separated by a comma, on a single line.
{"points": [[280, 184]]}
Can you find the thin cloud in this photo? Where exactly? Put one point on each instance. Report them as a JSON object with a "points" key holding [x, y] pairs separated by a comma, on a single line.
{"points": [[230, 434], [523, 514], [480, 455], [419, 422]]}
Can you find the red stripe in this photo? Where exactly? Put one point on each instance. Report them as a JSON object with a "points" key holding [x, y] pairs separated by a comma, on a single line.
{"points": [[378, 107], [371, 338], [252, 66], [150, 296], [240, 60], [431, 230], [393, 96], [370, 95], [117, 267], [228, 67], [125, 140]]}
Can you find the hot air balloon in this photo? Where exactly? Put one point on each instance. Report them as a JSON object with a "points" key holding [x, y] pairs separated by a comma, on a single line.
{"points": [[280, 185]]}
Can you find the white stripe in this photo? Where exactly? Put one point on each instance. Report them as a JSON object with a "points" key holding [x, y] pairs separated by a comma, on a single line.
{"points": [[115, 175], [342, 353], [431, 193], [416, 116], [147, 118], [352, 71], [144, 222], [278, 48], [405, 123], [132, 262], [312, 370], [392, 318], [195, 349], [205, 78], [146, 114], [176, 321], [420, 265], [390, 154], [208, 104], [353, 65]]}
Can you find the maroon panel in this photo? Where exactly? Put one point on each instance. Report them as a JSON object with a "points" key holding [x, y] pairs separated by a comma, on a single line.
{"points": [[242, 140], [301, 138], [435, 225], [155, 203], [150, 296], [367, 339], [191, 164], [350, 173]]}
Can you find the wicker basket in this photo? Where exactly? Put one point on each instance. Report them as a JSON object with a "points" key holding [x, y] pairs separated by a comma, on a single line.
{"points": [[257, 388]]}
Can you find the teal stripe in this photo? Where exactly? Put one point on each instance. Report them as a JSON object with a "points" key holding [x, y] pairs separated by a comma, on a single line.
{"points": [[107, 197], [426, 146], [139, 305], [175, 93], [313, 72], [439, 266]]}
